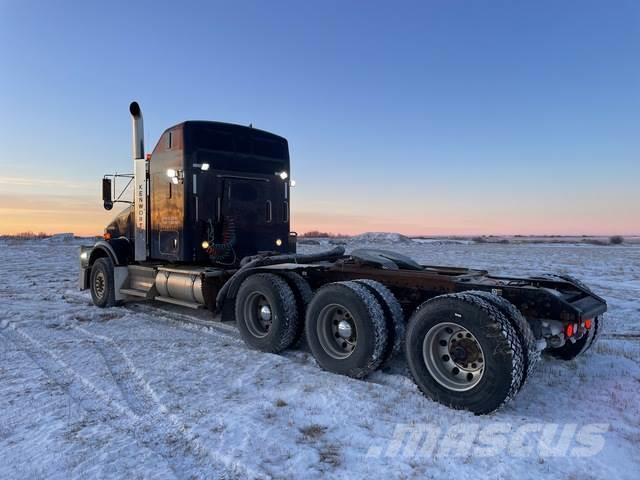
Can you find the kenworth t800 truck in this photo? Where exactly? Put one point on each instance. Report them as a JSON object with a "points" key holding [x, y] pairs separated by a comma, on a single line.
{"points": [[208, 227]]}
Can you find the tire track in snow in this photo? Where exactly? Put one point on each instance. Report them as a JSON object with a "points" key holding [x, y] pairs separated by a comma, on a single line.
{"points": [[394, 375], [145, 403], [89, 397], [161, 313], [184, 454], [189, 322], [135, 391]]}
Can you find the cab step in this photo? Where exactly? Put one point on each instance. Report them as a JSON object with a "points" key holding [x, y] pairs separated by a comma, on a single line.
{"points": [[132, 292]]}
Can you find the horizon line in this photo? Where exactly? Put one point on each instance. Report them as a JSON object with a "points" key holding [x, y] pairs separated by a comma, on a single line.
{"points": [[337, 235]]}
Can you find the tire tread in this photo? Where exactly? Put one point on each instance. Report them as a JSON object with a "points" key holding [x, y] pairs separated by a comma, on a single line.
{"points": [[531, 354], [502, 328], [287, 299], [396, 328]]}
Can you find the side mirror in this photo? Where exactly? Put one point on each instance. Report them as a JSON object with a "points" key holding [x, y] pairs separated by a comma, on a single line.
{"points": [[106, 193]]}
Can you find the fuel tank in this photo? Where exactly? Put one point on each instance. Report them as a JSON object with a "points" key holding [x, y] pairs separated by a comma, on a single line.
{"points": [[181, 284]]}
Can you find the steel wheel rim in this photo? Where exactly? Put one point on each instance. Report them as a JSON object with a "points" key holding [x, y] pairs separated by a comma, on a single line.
{"points": [[258, 315], [99, 284], [336, 331], [453, 356]]}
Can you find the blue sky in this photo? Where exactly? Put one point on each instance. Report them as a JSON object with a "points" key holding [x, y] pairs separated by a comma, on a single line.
{"points": [[430, 117]]}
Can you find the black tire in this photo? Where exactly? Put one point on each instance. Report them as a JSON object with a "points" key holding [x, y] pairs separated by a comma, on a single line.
{"points": [[303, 293], [277, 332], [363, 352], [502, 353], [527, 338], [393, 315], [570, 350], [102, 285]]}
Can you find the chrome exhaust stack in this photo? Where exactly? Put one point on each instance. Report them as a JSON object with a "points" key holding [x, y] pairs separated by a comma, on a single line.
{"points": [[141, 173], [138, 130]]}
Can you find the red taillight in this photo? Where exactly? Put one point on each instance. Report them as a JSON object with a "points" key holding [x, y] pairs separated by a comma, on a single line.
{"points": [[587, 323], [568, 330]]}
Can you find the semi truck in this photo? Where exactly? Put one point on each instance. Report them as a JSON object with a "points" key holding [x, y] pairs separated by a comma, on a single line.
{"points": [[209, 227]]}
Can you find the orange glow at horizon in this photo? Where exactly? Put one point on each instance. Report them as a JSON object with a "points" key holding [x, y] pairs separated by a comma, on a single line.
{"points": [[58, 206], [353, 225], [84, 216]]}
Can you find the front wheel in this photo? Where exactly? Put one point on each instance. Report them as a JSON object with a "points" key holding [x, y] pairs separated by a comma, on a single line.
{"points": [[463, 352], [102, 286]]}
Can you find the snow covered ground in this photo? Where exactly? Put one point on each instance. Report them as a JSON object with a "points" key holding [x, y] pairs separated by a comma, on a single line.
{"points": [[138, 392]]}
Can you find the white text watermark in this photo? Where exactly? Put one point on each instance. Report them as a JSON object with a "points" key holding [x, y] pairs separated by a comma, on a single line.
{"points": [[540, 440]]}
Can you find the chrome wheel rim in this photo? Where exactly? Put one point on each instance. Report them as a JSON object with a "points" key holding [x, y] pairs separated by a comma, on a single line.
{"points": [[258, 315], [453, 356], [336, 331], [99, 284]]}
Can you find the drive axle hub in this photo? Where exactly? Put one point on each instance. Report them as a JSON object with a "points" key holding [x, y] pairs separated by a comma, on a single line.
{"points": [[453, 356], [337, 331], [344, 329], [265, 313]]}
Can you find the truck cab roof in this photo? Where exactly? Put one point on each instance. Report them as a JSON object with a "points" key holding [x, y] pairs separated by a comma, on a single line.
{"points": [[198, 135]]}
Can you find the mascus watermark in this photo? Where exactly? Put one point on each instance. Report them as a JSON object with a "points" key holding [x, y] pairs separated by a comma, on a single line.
{"points": [[538, 440]]}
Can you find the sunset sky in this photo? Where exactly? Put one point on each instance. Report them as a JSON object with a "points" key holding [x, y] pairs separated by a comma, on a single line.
{"points": [[431, 117]]}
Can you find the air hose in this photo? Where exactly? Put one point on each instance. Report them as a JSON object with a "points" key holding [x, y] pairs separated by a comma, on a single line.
{"points": [[218, 252]]}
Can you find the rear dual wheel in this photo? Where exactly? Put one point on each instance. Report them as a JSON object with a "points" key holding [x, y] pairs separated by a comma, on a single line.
{"points": [[464, 352], [393, 314], [346, 329], [303, 295], [266, 313], [531, 353], [351, 327]]}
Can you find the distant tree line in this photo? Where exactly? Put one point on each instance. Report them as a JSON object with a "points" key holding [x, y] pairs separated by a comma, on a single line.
{"points": [[28, 235], [318, 234]]}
